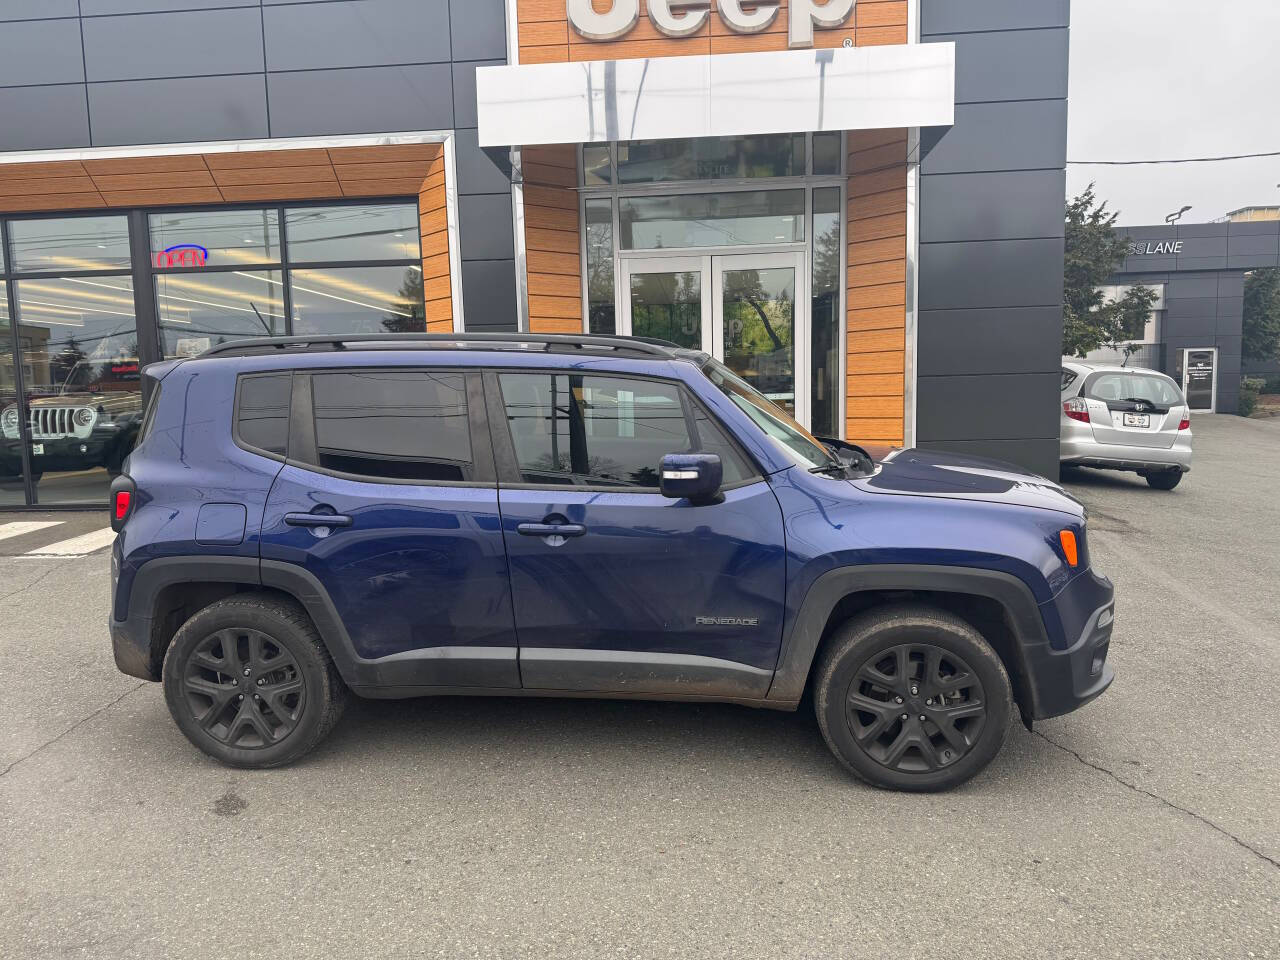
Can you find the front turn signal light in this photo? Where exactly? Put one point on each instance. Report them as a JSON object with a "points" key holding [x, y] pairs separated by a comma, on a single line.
{"points": [[1069, 547]]}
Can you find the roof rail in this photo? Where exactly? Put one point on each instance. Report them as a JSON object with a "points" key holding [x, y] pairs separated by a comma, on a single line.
{"points": [[646, 345]]}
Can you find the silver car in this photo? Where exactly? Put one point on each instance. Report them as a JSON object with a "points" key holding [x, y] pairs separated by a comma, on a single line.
{"points": [[1125, 418]]}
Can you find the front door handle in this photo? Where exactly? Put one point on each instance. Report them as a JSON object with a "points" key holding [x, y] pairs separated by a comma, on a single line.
{"points": [[317, 520], [551, 529]]}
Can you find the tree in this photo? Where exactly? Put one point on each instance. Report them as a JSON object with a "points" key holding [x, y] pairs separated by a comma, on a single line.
{"points": [[1261, 315], [409, 315], [1094, 252]]}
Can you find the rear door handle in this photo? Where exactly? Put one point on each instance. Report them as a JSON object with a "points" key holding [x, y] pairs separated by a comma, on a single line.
{"points": [[551, 529], [317, 520]]}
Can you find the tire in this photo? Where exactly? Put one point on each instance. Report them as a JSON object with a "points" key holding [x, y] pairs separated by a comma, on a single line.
{"points": [[1165, 479], [239, 645], [873, 644]]}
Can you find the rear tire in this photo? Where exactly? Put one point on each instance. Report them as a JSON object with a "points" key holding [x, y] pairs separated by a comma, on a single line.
{"points": [[941, 668], [249, 681], [1165, 479]]}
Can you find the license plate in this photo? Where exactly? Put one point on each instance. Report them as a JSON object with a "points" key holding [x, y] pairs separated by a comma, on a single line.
{"points": [[1137, 419], [37, 448]]}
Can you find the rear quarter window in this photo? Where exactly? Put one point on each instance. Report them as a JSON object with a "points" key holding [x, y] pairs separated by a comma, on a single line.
{"points": [[262, 413], [1068, 378]]}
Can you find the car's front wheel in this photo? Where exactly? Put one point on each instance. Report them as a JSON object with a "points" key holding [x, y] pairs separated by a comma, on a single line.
{"points": [[912, 698], [1165, 479], [249, 681]]}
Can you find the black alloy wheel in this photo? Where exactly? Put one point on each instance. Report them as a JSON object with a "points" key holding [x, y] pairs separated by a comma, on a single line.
{"points": [[916, 708], [243, 688]]}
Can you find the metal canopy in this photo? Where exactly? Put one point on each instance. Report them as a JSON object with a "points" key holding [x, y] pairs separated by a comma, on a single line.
{"points": [[733, 94]]}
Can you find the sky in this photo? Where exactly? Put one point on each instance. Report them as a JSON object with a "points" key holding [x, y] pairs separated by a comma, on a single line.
{"points": [[1156, 79]]}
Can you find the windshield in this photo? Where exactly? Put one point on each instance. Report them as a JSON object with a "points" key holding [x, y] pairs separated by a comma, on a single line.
{"points": [[791, 438], [1135, 386]]}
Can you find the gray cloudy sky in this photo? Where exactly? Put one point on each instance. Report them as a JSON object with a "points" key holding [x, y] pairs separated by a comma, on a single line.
{"points": [[1175, 78]]}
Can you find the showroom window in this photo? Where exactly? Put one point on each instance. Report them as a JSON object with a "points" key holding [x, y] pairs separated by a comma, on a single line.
{"points": [[222, 275], [75, 334]]}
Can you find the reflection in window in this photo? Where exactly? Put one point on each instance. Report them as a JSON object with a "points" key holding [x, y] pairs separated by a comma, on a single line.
{"points": [[667, 306], [825, 305], [381, 232], [217, 238], [199, 312], [711, 219], [11, 489], [68, 244], [596, 165], [600, 318], [358, 300], [712, 158], [398, 425], [826, 153], [598, 431]]}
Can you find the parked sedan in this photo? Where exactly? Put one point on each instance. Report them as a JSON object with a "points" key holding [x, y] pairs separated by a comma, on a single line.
{"points": [[1125, 418]]}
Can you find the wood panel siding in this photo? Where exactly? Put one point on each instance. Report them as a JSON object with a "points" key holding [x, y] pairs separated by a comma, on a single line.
{"points": [[260, 176], [876, 318], [552, 237]]}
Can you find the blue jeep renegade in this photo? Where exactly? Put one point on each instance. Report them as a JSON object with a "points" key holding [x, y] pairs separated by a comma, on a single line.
{"points": [[513, 515]]}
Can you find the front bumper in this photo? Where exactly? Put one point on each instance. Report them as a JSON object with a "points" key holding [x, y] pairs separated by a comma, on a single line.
{"points": [[1063, 680]]}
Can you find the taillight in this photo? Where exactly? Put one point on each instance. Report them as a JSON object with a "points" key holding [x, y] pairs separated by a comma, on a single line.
{"points": [[1184, 423], [1076, 409], [123, 493]]}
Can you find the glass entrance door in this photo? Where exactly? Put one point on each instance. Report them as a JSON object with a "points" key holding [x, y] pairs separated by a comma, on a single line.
{"points": [[748, 310]]}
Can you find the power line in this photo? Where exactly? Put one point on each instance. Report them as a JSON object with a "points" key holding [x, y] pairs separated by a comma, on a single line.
{"points": [[1130, 163]]}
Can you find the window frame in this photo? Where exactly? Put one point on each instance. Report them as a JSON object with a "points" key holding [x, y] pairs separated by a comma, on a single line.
{"points": [[302, 426], [236, 438], [511, 477]]}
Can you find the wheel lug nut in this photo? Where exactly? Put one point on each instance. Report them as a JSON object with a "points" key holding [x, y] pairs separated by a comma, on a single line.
{"points": [[897, 699], [928, 702], [904, 716], [246, 671], [922, 718], [914, 691]]}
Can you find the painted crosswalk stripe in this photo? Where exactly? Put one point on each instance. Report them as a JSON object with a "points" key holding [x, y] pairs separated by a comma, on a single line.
{"points": [[76, 546], [20, 527]]}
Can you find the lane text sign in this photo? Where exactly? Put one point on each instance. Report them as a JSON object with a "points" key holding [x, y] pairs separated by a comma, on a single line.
{"points": [[1145, 248], [682, 18]]}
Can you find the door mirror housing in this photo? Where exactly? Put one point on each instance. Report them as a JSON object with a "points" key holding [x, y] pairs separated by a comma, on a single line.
{"points": [[695, 477]]}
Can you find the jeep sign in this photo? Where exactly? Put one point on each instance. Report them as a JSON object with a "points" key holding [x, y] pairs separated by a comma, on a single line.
{"points": [[680, 18]]}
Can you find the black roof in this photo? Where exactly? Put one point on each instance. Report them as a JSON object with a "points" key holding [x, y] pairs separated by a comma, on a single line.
{"points": [[559, 342]]}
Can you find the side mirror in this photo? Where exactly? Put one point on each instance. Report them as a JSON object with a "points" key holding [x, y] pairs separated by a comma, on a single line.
{"points": [[695, 477]]}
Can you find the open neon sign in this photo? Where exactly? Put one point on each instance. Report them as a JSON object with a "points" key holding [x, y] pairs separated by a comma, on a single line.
{"points": [[182, 255]]}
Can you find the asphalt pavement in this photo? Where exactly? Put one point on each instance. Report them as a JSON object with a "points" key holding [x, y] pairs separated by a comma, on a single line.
{"points": [[1145, 825]]}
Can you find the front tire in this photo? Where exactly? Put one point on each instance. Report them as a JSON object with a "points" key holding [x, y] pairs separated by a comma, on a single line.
{"points": [[912, 698], [1165, 479], [249, 681]]}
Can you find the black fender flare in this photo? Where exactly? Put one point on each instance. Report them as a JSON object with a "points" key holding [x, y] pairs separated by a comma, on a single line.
{"points": [[800, 644]]}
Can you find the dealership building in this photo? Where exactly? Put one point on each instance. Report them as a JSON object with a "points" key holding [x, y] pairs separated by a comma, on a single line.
{"points": [[857, 206]]}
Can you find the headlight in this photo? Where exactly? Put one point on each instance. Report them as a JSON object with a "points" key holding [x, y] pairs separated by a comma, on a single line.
{"points": [[9, 420], [83, 417]]}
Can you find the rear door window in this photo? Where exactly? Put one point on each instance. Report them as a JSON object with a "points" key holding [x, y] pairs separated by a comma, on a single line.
{"points": [[398, 425], [1133, 387]]}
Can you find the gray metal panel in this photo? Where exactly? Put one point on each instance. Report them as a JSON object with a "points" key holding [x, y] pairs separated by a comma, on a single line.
{"points": [[37, 9], [476, 172], [52, 117], [489, 291], [485, 223], [1039, 455], [1203, 229], [40, 51], [195, 43], [173, 111], [992, 206], [1202, 263], [91, 8], [1230, 307], [464, 91], [1153, 232], [1190, 327], [1230, 285], [1262, 245], [1011, 340], [1177, 308], [979, 407], [356, 34], [479, 29], [363, 100], [1261, 227], [1146, 264], [947, 16], [1193, 285], [1010, 65], [1026, 135], [991, 273], [1201, 247]]}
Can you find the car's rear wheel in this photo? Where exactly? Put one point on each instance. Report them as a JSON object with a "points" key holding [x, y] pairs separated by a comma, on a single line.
{"points": [[249, 681], [1165, 479], [912, 698]]}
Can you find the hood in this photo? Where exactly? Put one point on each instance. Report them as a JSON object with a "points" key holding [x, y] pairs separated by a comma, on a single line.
{"points": [[933, 473], [83, 398]]}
